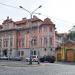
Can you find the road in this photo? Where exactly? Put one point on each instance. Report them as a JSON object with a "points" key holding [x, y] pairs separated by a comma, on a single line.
{"points": [[42, 69]]}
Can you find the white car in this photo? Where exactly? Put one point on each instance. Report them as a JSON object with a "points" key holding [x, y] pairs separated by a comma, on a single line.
{"points": [[27, 59], [34, 58], [4, 58]]}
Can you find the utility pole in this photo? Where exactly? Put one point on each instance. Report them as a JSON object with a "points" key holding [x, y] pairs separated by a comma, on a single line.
{"points": [[31, 39]]}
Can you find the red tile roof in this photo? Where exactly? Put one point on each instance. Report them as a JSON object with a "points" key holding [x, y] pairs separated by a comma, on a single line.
{"points": [[20, 22], [27, 20], [47, 21]]}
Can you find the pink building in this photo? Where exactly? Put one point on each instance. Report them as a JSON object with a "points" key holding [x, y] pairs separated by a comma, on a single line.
{"points": [[18, 38]]}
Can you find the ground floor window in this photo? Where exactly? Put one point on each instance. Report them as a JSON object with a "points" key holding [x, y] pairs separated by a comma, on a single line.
{"points": [[18, 53], [34, 52], [21, 53]]}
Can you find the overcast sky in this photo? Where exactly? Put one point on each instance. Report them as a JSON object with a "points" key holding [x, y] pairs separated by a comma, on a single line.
{"points": [[61, 12]]}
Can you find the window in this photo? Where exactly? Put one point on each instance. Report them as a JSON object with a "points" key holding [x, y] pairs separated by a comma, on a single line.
{"points": [[50, 29], [34, 52], [45, 41], [10, 51], [18, 53], [5, 42], [41, 40], [21, 42], [11, 42], [45, 28], [45, 49], [22, 53], [34, 30], [51, 41], [34, 41], [40, 29]]}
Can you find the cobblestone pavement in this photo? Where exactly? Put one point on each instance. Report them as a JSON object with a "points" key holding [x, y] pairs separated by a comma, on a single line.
{"points": [[42, 69]]}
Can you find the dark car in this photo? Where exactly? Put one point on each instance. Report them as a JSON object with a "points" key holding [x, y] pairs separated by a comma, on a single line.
{"points": [[50, 59]]}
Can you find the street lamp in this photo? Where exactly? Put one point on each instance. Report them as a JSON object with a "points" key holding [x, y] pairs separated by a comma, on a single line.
{"points": [[31, 14]]}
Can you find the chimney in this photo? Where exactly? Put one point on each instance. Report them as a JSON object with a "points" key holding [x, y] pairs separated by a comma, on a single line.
{"points": [[34, 17], [24, 18], [7, 17]]}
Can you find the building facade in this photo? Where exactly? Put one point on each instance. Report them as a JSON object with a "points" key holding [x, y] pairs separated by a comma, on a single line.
{"points": [[20, 37], [60, 38], [66, 52]]}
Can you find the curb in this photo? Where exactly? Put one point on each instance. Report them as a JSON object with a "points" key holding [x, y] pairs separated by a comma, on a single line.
{"points": [[27, 65]]}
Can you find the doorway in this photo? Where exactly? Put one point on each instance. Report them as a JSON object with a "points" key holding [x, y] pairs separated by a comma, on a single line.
{"points": [[5, 52]]}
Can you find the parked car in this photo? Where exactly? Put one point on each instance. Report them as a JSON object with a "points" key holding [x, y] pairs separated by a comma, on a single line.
{"points": [[50, 59], [3, 58], [27, 59], [34, 58], [15, 58]]}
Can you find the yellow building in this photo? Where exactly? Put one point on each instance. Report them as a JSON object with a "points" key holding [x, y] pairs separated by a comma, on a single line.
{"points": [[66, 52]]}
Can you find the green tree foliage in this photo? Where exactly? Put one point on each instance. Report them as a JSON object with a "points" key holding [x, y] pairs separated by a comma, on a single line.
{"points": [[71, 34]]}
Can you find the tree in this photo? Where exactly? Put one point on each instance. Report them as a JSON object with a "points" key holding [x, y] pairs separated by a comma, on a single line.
{"points": [[71, 34]]}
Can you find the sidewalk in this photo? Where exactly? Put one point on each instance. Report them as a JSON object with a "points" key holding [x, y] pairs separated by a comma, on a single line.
{"points": [[66, 63], [17, 63]]}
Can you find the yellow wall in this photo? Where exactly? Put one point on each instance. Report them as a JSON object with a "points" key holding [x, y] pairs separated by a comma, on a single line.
{"points": [[63, 52]]}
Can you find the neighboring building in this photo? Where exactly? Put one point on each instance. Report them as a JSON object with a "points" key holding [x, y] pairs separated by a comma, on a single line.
{"points": [[60, 38], [66, 52], [15, 37]]}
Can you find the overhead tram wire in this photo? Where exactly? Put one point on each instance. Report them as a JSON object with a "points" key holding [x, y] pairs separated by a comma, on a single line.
{"points": [[52, 17], [41, 14], [9, 5]]}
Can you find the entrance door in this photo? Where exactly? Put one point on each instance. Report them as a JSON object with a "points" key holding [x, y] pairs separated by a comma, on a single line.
{"points": [[70, 55], [59, 56], [5, 52]]}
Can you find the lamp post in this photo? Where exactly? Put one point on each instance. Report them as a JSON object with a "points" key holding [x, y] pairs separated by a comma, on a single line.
{"points": [[31, 14]]}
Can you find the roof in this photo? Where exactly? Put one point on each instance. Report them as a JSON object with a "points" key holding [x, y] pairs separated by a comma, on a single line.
{"points": [[20, 22], [24, 21], [69, 41], [47, 21], [61, 34], [35, 18]]}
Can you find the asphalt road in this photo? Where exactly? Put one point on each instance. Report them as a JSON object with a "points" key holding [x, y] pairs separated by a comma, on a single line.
{"points": [[6, 68]]}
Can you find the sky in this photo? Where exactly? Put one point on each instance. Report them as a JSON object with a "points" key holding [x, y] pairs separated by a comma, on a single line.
{"points": [[61, 12]]}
